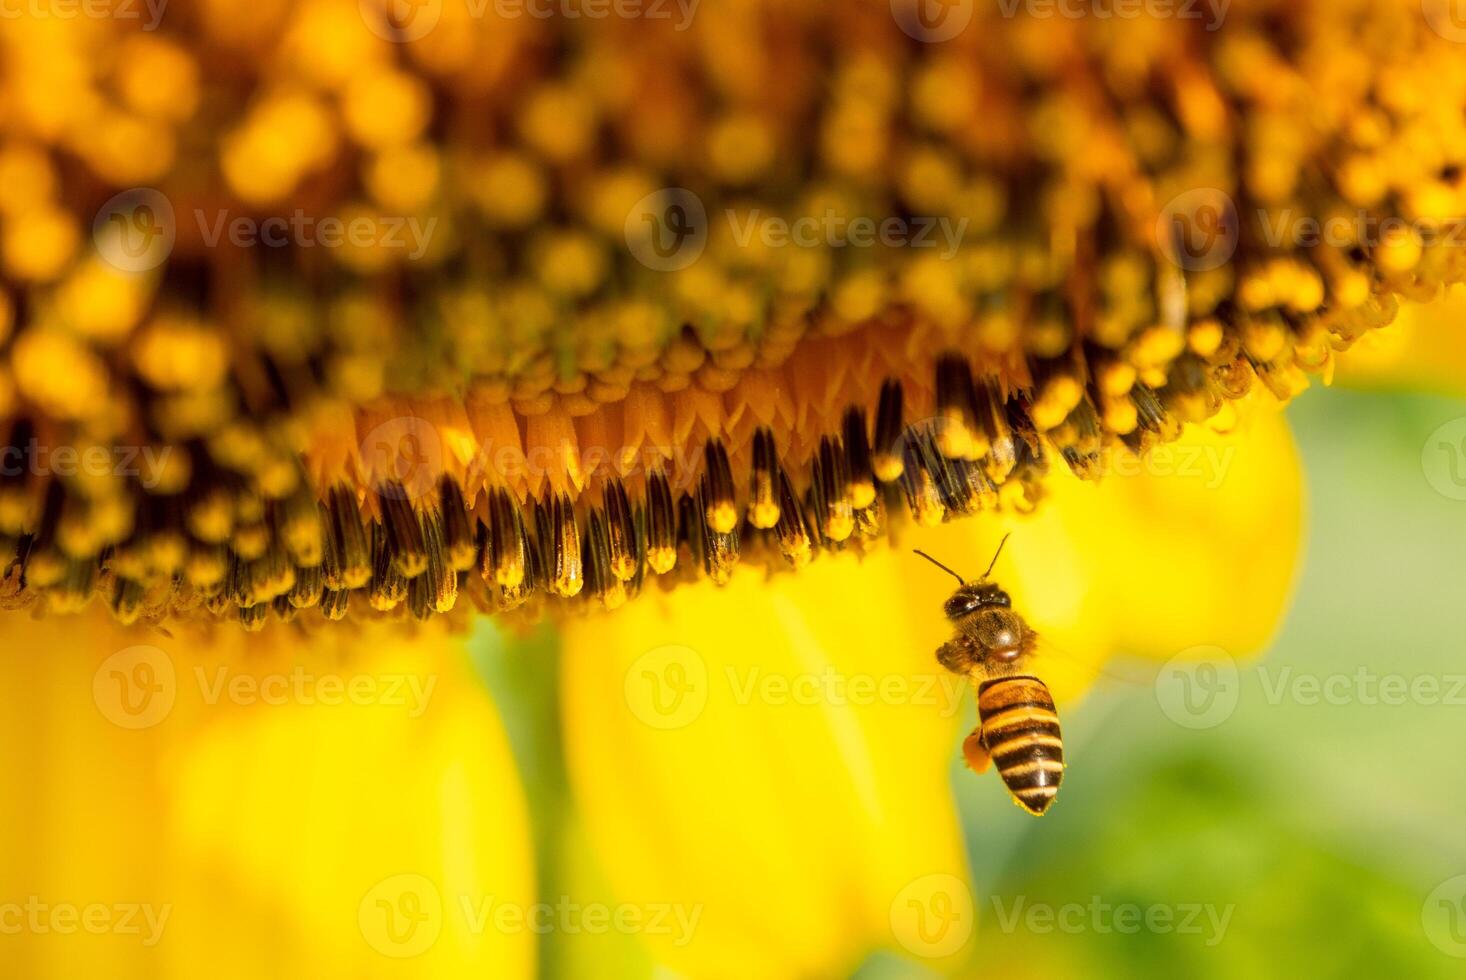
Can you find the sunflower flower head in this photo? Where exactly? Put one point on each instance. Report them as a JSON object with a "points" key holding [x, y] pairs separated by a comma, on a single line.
{"points": [[382, 314]]}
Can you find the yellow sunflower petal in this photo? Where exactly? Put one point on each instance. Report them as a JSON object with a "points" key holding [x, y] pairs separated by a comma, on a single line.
{"points": [[771, 758], [1424, 349], [225, 807]]}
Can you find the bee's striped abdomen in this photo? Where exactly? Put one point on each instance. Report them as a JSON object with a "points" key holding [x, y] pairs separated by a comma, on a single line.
{"points": [[1020, 730]]}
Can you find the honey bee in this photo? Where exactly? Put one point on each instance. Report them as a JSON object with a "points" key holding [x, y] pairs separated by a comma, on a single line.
{"points": [[1018, 728]]}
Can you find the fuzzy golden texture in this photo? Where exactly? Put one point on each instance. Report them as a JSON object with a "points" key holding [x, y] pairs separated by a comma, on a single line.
{"points": [[1119, 218]]}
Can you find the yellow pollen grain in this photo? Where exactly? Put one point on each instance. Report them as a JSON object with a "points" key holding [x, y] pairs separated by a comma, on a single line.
{"points": [[385, 108], [403, 179], [59, 373], [1120, 414], [26, 178], [1204, 337], [180, 355], [1059, 396], [38, 244], [1157, 346], [1399, 250], [1264, 339], [158, 78]]}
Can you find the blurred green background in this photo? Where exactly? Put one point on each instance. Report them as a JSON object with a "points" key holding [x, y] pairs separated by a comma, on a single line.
{"points": [[1306, 836]]}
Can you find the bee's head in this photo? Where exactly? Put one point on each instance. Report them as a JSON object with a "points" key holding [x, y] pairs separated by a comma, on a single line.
{"points": [[984, 611], [972, 596]]}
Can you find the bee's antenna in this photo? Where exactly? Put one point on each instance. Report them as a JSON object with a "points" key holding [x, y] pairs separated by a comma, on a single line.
{"points": [[996, 554], [940, 565]]}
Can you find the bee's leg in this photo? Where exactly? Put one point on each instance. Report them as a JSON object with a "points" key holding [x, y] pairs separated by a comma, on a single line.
{"points": [[975, 752], [950, 656]]}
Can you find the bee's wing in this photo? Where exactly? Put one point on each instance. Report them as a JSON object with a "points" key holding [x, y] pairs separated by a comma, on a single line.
{"points": [[1045, 647]]}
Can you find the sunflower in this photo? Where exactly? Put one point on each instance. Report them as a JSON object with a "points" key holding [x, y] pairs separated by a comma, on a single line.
{"points": [[345, 803], [376, 314], [344, 322]]}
